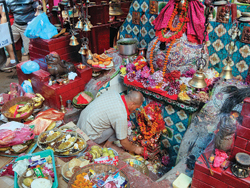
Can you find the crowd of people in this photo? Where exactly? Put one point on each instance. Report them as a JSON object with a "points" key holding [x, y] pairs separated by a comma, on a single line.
{"points": [[20, 14]]}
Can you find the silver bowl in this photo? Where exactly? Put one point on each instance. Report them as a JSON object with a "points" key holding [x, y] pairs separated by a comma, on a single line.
{"points": [[245, 14], [127, 46]]}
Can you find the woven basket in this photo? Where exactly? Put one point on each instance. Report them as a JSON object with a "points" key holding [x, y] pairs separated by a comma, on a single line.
{"points": [[7, 105], [98, 168], [81, 106]]}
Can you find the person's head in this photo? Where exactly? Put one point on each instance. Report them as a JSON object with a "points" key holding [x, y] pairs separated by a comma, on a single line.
{"points": [[134, 100]]}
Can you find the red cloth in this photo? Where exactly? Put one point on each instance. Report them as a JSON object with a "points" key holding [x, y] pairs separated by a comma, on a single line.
{"points": [[159, 91], [195, 26], [81, 100], [126, 106]]}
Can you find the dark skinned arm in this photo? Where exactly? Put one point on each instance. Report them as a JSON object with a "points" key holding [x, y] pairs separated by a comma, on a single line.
{"points": [[131, 147]]}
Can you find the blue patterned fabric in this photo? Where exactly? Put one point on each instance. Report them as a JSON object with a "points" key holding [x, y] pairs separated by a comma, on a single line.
{"points": [[218, 35], [176, 122]]}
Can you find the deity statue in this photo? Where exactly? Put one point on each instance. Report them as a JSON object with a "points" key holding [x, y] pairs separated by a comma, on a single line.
{"points": [[179, 36], [58, 67]]}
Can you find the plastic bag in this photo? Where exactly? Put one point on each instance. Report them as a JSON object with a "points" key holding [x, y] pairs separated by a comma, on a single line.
{"points": [[29, 67], [41, 27], [40, 125], [51, 114], [18, 136], [16, 90], [26, 85]]}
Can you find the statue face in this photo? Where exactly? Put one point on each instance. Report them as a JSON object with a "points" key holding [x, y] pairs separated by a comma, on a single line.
{"points": [[52, 58], [55, 58]]}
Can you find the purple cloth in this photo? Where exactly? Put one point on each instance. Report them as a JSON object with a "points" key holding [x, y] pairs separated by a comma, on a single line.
{"points": [[196, 16]]}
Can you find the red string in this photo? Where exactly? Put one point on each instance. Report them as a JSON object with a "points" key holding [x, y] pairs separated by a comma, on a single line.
{"points": [[145, 153]]}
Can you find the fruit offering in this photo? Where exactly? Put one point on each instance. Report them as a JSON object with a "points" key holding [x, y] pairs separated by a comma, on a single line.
{"points": [[20, 110], [35, 171], [101, 61], [99, 178], [38, 100]]}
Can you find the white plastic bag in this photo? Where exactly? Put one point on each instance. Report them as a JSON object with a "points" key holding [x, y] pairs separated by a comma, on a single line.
{"points": [[27, 87]]}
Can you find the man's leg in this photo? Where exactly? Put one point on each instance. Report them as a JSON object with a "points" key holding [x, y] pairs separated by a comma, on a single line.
{"points": [[108, 136], [16, 36], [26, 40]]}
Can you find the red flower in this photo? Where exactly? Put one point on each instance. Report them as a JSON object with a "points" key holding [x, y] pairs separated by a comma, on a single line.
{"points": [[176, 74]]}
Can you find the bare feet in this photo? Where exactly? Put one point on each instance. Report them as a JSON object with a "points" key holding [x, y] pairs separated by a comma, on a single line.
{"points": [[107, 144]]}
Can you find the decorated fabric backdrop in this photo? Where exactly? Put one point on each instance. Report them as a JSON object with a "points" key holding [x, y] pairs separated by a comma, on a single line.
{"points": [[176, 122], [219, 37]]}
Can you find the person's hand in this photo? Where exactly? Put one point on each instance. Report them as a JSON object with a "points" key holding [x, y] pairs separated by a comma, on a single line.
{"points": [[139, 150]]}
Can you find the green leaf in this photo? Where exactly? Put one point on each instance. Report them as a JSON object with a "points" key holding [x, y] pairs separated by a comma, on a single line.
{"points": [[214, 13], [170, 134]]}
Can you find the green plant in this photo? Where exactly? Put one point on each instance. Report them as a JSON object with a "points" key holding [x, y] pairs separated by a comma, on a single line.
{"points": [[161, 6]]}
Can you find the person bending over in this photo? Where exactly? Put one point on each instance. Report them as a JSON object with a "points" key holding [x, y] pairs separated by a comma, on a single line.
{"points": [[106, 119]]}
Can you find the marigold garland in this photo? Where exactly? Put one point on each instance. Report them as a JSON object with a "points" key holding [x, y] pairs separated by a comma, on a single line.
{"points": [[149, 127], [179, 30]]}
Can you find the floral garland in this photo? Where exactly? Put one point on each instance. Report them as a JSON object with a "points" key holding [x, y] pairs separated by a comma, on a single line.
{"points": [[179, 30], [150, 121]]}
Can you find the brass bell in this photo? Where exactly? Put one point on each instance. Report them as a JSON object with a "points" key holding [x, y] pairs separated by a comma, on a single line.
{"points": [[79, 24], [82, 51], [89, 55], [73, 41], [226, 72], [86, 27], [85, 47], [115, 9], [88, 23], [198, 80], [63, 110]]}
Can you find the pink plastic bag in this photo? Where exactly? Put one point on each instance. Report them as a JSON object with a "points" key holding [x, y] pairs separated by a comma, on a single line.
{"points": [[16, 90], [19, 136], [6, 136], [220, 157]]}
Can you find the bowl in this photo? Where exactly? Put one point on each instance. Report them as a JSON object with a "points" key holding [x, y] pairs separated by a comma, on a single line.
{"points": [[65, 168], [219, 2], [98, 168], [127, 46], [7, 105], [47, 132], [21, 178], [138, 165], [80, 106], [245, 14]]}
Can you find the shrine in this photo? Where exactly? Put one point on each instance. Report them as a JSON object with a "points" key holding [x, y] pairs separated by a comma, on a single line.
{"points": [[127, 93]]}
